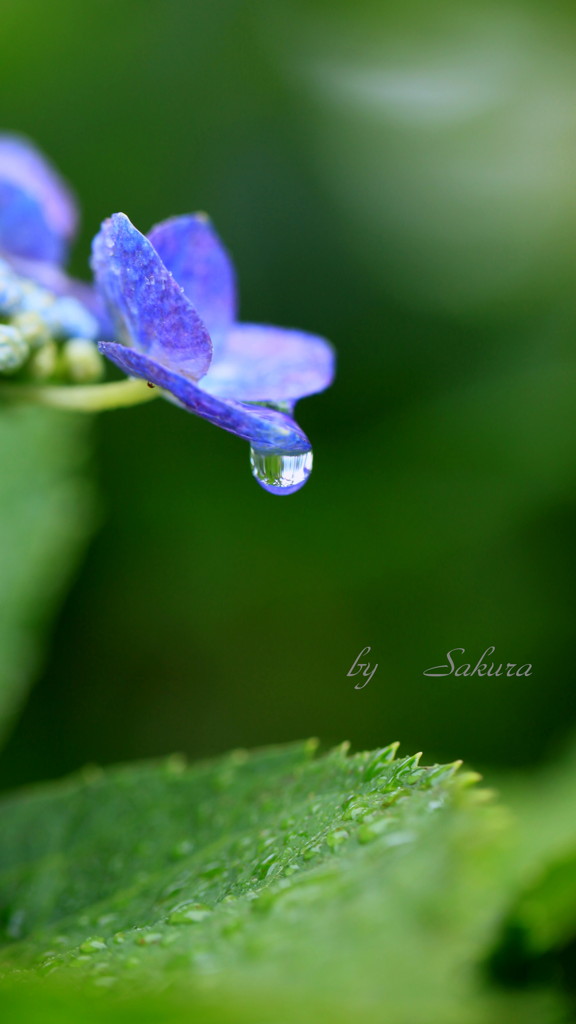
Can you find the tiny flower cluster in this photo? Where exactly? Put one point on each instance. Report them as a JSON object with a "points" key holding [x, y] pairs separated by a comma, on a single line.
{"points": [[44, 336], [165, 309]]}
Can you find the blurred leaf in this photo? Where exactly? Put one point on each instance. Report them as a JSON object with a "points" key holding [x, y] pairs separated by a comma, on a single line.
{"points": [[538, 933], [544, 804], [263, 887], [45, 514], [546, 911]]}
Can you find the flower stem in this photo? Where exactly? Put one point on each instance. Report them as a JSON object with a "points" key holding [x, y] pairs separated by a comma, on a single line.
{"points": [[84, 397]]}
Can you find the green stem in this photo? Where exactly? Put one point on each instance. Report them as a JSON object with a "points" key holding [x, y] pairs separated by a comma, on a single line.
{"points": [[83, 397]]}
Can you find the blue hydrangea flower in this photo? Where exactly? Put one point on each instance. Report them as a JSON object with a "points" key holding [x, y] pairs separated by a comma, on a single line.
{"points": [[172, 298], [38, 222], [38, 215]]}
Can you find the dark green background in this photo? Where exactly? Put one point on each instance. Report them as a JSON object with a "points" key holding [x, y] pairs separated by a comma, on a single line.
{"points": [[400, 179]]}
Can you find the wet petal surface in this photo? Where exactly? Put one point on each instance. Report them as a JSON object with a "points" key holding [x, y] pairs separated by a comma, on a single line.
{"points": [[150, 309]]}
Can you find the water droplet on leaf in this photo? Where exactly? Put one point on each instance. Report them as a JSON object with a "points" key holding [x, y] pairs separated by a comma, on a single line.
{"points": [[291, 869], [149, 938], [311, 851], [93, 945], [336, 838], [189, 913], [266, 866]]}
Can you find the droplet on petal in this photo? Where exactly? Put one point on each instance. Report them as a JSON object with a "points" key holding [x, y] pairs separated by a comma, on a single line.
{"points": [[280, 472]]}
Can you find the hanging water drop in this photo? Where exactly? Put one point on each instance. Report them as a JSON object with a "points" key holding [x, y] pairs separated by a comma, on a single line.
{"points": [[280, 472]]}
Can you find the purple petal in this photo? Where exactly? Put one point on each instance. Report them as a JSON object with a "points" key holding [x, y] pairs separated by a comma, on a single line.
{"points": [[264, 428], [147, 305], [24, 168], [191, 250], [24, 231], [268, 364]]}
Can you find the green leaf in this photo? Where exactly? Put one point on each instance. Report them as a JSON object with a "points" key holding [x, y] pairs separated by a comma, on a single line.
{"points": [[45, 516], [264, 887], [537, 937]]}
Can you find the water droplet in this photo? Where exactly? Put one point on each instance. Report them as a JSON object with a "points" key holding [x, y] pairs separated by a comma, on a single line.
{"points": [[101, 967], [435, 805], [399, 838], [405, 772], [291, 869], [266, 843], [47, 956], [336, 838], [149, 938], [266, 866], [49, 967], [311, 851], [189, 913], [393, 796], [369, 816], [354, 807], [93, 945], [280, 472], [367, 834]]}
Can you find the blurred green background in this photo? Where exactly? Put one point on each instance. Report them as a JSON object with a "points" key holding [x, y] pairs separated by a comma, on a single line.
{"points": [[398, 178]]}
